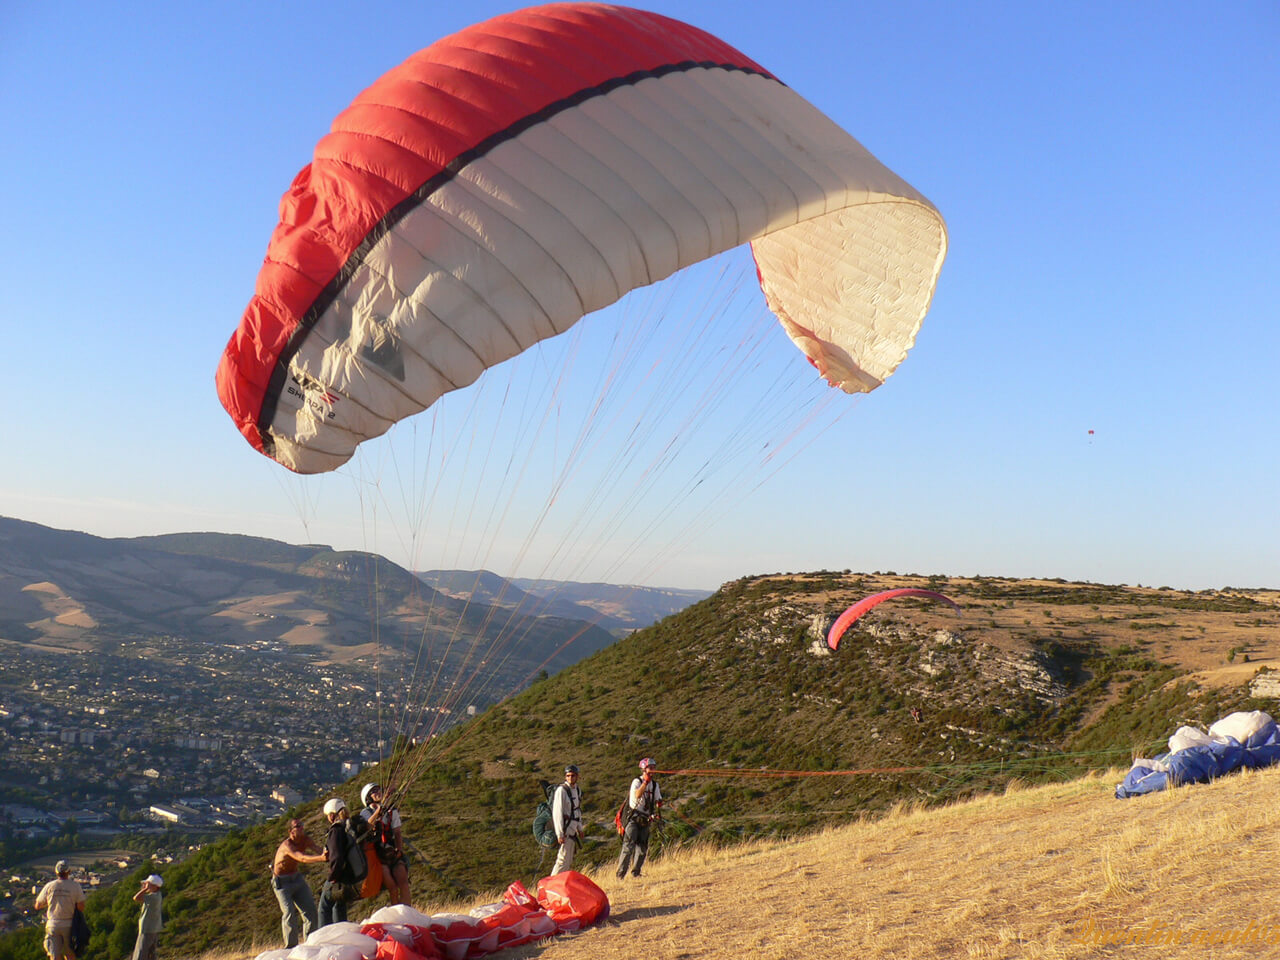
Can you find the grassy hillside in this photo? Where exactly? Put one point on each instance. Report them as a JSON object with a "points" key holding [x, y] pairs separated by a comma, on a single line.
{"points": [[1050, 872], [1058, 871], [1034, 682]]}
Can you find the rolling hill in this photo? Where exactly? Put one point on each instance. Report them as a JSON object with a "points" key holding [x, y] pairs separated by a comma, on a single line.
{"points": [[62, 590]]}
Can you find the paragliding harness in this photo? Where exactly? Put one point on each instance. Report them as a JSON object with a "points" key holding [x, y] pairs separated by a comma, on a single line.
{"points": [[544, 830], [383, 836], [627, 814]]}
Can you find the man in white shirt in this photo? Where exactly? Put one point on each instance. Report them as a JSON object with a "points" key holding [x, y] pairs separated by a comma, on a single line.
{"points": [[60, 897], [566, 816], [646, 806]]}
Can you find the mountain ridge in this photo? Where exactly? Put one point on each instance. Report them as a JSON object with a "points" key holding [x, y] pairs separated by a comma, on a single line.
{"points": [[618, 608], [61, 589]]}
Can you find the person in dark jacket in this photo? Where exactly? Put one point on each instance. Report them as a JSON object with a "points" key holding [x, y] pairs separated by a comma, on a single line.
{"points": [[340, 886]]}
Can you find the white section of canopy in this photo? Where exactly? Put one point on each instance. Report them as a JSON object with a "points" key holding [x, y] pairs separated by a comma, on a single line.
{"points": [[617, 193], [1248, 727]]}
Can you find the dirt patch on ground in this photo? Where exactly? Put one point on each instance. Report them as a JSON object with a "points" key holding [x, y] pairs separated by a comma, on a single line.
{"points": [[498, 769]]}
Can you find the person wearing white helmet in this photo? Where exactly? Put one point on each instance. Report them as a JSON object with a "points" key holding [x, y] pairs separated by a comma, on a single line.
{"points": [[342, 851], [566, 817], [149, 921], [645, 805], [388, 839], [61, 897]]}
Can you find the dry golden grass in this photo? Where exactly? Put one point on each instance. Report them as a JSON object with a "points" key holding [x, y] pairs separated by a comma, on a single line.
{"points": [[1047, 872], [1020, 875]]}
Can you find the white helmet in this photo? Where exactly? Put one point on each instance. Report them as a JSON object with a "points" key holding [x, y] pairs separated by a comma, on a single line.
{"points": [[367, 789], [334, 806]]}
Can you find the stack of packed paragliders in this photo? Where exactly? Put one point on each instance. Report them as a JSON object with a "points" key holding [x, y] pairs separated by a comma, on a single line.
{"points": [[565, 902], [1249, 740]]}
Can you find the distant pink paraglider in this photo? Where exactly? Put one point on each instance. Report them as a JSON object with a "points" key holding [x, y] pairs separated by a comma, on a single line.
{"points": [[850, 616]]}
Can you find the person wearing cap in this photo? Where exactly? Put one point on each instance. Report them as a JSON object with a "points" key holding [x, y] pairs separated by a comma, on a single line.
{"points": [[61, 897], [338, 890], [289, 884], [149, 922], [388, 839], [645, 800], [566, 816]]}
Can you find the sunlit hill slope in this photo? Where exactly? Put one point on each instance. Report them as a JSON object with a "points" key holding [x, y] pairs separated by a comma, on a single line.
{"points": [[1034, 681], [1051, 872]]}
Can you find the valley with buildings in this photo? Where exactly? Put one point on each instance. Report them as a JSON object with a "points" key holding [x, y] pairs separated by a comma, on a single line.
{"points": [[157, 693]]}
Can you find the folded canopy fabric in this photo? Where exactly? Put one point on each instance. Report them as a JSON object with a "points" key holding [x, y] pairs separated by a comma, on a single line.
{"points": [[1239, 740]]}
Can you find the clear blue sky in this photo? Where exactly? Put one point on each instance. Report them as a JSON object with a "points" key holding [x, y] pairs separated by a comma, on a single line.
{"points": [[1108, 173]]}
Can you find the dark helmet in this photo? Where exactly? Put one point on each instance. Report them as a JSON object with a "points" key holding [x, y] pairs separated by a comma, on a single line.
{"points": [[571, 768]]}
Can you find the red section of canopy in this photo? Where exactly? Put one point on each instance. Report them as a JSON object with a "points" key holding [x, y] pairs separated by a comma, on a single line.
{"points": [[565, 902], [847, 619], [572, 899], [417, 118]]}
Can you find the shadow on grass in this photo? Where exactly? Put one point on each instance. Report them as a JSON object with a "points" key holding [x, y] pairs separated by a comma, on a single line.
{"points": [[530, 950], [642, 913]]}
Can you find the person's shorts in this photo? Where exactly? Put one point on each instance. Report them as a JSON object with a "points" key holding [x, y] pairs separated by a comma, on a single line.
{"points": [[388, 858], [57, 944]]}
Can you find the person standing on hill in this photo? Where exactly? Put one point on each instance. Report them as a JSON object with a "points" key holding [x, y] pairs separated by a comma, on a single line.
{"points": [[149, 921], [566, 816], [645, 799], [340, 888], [61, 897], [388, 840], [289, 884]]}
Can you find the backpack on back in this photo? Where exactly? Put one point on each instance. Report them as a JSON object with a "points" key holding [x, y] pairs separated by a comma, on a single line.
{"points": [[543, 830], [621, 818], [79, 933], [357, 862]]}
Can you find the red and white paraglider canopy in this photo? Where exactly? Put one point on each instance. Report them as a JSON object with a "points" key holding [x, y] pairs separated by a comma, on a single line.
{"points": [[507, 180], [853, 613]]}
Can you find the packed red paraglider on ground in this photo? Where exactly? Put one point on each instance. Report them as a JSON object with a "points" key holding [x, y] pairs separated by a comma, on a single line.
{"points": [[564, 903]]}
